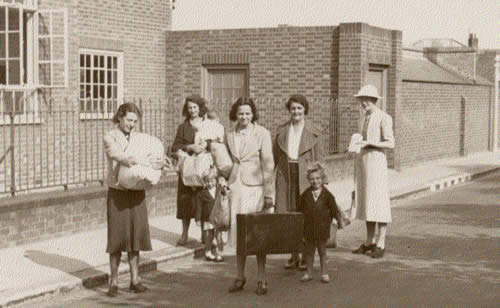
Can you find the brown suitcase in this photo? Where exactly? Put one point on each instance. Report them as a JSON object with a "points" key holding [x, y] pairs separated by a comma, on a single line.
{"points": [[269, 233]]}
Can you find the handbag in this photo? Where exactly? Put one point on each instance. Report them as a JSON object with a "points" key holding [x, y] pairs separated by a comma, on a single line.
{"points": [[193, 168], [222, 159], [221, 216]]}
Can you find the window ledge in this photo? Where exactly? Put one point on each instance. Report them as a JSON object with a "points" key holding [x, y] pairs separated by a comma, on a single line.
{"points": [[20, 120]]}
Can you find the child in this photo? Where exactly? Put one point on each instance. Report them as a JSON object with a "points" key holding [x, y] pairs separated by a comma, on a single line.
{"points": [[319, 208], [205, 200]]}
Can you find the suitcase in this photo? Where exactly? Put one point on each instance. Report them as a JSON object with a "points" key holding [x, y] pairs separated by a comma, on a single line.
{"points": [[269, 233]]}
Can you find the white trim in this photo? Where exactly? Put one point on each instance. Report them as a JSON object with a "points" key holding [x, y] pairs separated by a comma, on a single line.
{"points": [[496, 105]]}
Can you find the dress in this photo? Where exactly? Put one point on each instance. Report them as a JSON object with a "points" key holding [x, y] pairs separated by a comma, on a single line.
{"points": [[127, 214], [372, 190], [247, 188], [185, 195]]}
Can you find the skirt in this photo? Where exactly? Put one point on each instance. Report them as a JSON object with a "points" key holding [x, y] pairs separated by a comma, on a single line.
{"points": [[128, 226], [244, 200], [372, 190], [185, 200]]}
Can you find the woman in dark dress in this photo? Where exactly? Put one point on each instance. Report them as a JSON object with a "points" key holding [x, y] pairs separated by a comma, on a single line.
{"points": [[193, 111]]}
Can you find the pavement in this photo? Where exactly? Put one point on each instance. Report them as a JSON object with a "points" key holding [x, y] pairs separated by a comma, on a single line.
{"points": [[79, 260]]}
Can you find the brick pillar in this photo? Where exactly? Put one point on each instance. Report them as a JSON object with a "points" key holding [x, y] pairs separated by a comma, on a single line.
{"points": [[394, 96], [350, 79]]}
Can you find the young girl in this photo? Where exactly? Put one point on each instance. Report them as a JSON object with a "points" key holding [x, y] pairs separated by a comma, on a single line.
{"points": [[319, 208], [204, 204]]}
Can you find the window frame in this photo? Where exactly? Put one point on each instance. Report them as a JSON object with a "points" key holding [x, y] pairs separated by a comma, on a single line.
{"points": [[205, 75], [94, 115], [383, 69]]}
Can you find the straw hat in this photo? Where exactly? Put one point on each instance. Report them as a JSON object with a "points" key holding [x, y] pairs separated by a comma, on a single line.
{"points": [[368, 91]]}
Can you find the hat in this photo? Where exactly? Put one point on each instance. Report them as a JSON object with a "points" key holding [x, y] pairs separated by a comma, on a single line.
{"points": [[368, 91]]}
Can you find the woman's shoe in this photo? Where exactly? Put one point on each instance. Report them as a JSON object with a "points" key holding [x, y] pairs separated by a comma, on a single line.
{"points": [[378, 253], [238, 285], [181, 242], [261, 288], [363, 249], [112, 291], [137, 288], [306, 278], [302, 266], [219, 258], [209, 257]]}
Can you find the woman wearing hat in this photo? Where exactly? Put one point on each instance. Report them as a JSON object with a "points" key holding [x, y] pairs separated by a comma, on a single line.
{"points": [[372, 191], [297, 143]]}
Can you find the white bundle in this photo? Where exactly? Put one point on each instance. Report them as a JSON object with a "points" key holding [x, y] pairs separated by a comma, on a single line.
{"points": [[146, 149]]}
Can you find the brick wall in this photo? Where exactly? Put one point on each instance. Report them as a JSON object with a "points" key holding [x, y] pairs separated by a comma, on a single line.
{"points": [[434, 116]]}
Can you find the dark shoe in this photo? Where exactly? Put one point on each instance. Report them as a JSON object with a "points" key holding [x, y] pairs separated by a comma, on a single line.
{"points": [[291, 264], [112, 291], [378, 253], [302, 266], [209, 257], [363, 249], [138, 288], [181, 242], [331, 244], [238, 285], [261, 288]]}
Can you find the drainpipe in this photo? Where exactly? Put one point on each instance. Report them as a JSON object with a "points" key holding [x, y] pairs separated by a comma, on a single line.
{"points": [[496, 105]]}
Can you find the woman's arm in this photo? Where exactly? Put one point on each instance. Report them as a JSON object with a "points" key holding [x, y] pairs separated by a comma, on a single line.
{"points": [[387, 140], [179, 141], [114, 152], [267, 164]]}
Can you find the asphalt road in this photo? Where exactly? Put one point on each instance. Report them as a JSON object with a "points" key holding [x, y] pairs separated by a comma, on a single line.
{"points": [[442, 251]]}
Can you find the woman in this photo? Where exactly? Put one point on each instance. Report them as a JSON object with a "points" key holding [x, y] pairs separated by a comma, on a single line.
{"points": [[297, 143], [373, 204], [127, 215], [194, 110], [250, 182]]}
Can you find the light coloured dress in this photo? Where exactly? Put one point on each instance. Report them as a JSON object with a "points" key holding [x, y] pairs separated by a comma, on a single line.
{"points": [[372, 190]]}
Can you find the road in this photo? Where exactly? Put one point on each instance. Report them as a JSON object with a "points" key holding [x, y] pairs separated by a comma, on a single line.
{"points": [[442, 252]]}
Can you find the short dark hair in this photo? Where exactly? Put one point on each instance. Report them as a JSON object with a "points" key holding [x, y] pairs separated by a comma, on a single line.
{"points": [[198, 100], [240, 102], [300, 99], [124, 109]]}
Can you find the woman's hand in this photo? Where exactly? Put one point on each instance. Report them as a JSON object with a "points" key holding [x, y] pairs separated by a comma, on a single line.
{"points": [[268, 205]]}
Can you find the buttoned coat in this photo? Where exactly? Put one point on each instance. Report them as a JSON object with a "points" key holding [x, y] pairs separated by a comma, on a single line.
{"points": [[318, 215], [310, 149], [372, 190], [255, 159]]}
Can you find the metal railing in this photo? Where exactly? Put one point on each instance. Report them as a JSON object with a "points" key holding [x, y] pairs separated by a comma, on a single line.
{"points": [[56, 144]]}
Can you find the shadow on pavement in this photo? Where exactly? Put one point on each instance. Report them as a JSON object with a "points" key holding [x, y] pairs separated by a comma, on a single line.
{"points": [[74, 267], [171, 238], [472, 168]]}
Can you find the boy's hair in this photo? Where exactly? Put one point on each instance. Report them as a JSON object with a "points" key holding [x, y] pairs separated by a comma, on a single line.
{"points": [[317, 167], [209, 174], [212, 114]]}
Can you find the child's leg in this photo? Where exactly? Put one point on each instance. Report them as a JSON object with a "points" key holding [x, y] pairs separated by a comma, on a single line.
{"points": [[309, 249], [218, 240], [209, 236], [321, 245]]}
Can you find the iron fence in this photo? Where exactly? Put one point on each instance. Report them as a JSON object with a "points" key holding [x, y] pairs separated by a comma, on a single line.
{"points": [[57, 144]]}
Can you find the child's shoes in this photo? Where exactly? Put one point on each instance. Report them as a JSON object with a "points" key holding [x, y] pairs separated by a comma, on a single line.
{"points": [[209, 256], [306, 278], [325, 278]]}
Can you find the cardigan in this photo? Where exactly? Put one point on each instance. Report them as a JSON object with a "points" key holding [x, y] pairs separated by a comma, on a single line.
{"points": [[318, 215]]}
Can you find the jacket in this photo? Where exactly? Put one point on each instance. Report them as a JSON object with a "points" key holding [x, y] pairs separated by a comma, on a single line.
{"points": [[204, 203], [310, 150], [255, 161], [115, 144]]}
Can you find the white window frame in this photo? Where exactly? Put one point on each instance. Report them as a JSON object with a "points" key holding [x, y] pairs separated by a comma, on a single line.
{"points": [[94, 115], [29, 76]]}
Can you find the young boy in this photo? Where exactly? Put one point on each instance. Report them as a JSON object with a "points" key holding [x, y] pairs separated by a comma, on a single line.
{"points": [[319, 208], [205, 201]]}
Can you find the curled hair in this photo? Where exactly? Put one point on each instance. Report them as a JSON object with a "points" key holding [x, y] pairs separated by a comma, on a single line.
{"points": [[299, 99], [241, 102], [209, 174], [124, 109], [317, 167], [198, 100]]}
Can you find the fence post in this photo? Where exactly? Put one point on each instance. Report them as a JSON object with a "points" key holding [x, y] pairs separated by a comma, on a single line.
{"points": [[12, 155]]}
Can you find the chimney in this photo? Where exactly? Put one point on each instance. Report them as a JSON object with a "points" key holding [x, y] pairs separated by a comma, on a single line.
{"points": [[473, 41]]}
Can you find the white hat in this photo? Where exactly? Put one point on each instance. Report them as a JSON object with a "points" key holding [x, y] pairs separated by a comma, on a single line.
{"points": [[368, 91]]}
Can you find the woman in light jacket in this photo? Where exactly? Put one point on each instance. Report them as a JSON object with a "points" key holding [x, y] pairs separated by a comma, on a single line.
{"points": [[297, 143], [251, 179], [372, 191]]}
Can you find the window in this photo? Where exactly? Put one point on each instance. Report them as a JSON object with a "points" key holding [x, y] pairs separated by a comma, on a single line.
{"points": [[377, 76], [101, 83], [225, 84], [33, 54]]}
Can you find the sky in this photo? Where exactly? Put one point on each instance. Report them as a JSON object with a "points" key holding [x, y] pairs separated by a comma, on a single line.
{"points": [[418, 19]]}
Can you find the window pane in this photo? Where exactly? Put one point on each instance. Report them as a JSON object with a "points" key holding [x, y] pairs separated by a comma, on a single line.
{"points": [[43, 25], [13, 45], [44, 49], [82, 76], [3, 72], [101, 76], [82, 60], [44, 74], [96, 61], [87, 76], [19, 103], [101, 61], [95, 94], [101, 91], [3, 46], [110, 62], [109, 80], [7, 101], [115, 65], [115, 77], [110, 92], [14, 72], [2, 18], [13, 19], [87, 61], [95, 77]]}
